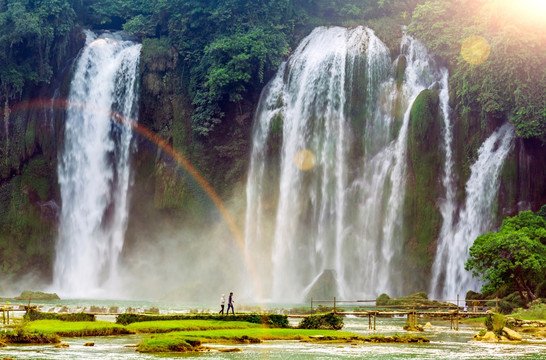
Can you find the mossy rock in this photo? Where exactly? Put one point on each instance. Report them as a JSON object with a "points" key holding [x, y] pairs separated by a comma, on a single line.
{"points": [[401, 65], [325, 287], [422, 217]]}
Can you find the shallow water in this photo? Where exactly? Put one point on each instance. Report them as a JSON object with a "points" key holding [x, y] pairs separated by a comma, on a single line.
{"points": [[445, 344]]}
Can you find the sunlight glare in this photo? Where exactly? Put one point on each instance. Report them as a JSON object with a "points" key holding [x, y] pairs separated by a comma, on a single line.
{"points": [[475, 50], [304, 160], [529, 12]]}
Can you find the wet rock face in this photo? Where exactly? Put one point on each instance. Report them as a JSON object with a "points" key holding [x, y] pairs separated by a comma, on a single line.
{"points": [[325, 287], [507, 335], [511, 334]]}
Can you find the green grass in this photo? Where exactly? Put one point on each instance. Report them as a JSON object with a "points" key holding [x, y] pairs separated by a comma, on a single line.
{"points": [[192, 340], [471, 320], [80, 328], [187, 325], [20, 336], [535, 312]]}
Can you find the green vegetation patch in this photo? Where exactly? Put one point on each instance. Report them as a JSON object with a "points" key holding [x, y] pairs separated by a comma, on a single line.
{"points": [[328, 321], [537, 311], [271, 320], [37, 295], [34, 315], [512, 258], [188, 325], [80, 328], [21, 336], [193, 340]]}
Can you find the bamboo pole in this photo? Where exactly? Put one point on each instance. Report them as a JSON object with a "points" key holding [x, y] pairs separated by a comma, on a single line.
{"points": [[457, 315]]}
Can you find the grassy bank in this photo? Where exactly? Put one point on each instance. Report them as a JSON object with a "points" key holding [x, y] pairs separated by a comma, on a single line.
{"points": [[193, 340], [24, 337], [273, 320], [188, 325], [79, 328]]}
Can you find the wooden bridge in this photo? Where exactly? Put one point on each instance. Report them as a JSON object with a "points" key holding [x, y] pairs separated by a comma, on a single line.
{"points": [[445, 309], [412, 310]]}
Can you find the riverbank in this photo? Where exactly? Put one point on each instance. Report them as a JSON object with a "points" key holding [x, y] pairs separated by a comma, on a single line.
{"points": [[189, 335], [445, 343]]}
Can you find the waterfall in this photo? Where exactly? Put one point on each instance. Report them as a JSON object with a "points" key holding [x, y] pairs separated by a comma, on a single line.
{"points": [[448, 206], [94, 167], [449, 276], [326, 182]]}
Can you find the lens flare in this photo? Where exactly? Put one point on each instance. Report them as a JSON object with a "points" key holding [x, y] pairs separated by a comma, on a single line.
{"points": [[304, 160], [475, 50]]}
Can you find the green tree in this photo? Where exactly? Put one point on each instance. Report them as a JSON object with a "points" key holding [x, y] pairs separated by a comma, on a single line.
{"points": [[513, 256]]}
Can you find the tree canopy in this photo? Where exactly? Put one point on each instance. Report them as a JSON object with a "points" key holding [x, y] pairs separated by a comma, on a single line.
{"points": [[513, 256], [230, 47]]}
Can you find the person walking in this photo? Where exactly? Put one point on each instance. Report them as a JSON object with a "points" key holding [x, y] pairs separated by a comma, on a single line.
{"points": [[222, 303], [475, 304], [230, 304]]}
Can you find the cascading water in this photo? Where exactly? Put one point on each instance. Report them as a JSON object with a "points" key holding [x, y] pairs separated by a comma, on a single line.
{"points": [[449, 276], [326, 182], [94, 168]]}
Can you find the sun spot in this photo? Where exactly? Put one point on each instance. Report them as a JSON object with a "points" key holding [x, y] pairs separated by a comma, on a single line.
{"points": [[304, 160], [475, 50]]}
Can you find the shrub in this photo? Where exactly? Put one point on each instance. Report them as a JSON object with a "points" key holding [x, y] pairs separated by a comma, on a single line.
{"points": [[276, 320], [327, 321], [382, 299], [495, 322], [33, 315], [536, 311], [506, 307]]}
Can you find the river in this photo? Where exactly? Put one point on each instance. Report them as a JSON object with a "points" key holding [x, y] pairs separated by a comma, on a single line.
{"points": [[445, 343]]}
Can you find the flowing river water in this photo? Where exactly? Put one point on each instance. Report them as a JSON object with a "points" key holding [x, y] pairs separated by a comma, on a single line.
{"points": [[445, 343]]}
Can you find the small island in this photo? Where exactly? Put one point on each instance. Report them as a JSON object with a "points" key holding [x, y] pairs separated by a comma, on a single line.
{"points": [[37, 295]]}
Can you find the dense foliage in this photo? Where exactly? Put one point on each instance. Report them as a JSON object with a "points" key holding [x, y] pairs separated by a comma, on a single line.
{"points": [[329, 321], [28, 33], [515, 256], [510, 83], [231, 47]]}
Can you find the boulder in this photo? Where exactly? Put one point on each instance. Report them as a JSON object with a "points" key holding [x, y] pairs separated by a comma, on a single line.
{"points": [[490, 337], [324, 287], [511, 334]]}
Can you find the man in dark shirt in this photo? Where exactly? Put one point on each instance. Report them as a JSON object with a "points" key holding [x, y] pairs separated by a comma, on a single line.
{"points": [[230, 304]]}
